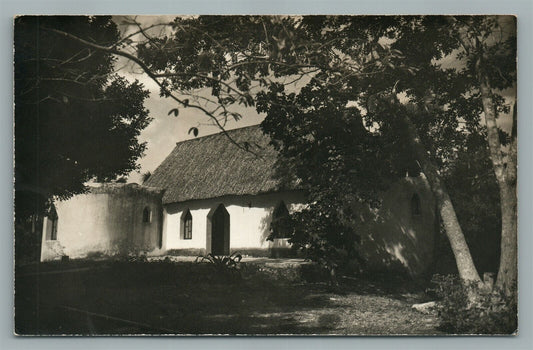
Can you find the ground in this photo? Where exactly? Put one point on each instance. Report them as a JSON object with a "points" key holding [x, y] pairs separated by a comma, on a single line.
{"points": [[169, 297]]}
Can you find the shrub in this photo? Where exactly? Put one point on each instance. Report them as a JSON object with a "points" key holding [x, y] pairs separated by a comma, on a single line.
{"points": [[27, 242], [322, 234], [490, 311]]}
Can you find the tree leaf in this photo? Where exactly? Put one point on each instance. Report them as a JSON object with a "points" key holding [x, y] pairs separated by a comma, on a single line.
{"points": [[194, 131], [236, 116], [175, 111]]}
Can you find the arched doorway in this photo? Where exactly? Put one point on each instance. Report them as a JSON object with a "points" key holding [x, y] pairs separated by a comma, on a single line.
{"points": [[218, 231], [281, 225]]}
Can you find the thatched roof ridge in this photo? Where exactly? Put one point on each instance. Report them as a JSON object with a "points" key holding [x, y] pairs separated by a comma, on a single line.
{"points": [[212, 166]]}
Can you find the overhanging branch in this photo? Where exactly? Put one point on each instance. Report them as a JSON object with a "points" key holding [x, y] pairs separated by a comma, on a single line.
{"points": [[113, 50]]}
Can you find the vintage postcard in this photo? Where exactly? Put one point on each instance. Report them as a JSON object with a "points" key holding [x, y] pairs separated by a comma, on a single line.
{"points": [[265, 175]]}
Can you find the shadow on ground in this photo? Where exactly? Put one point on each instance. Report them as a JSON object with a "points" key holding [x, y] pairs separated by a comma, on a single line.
{"points": [[187, 298]]}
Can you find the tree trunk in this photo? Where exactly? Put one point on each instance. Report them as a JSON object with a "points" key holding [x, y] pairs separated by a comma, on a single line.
{"points": [[463, 258], [505, 174], [506, 178], [508, 271]]}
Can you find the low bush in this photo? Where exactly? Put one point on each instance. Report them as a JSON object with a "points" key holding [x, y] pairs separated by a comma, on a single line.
{"points": [[490, 311], [27, 242]]}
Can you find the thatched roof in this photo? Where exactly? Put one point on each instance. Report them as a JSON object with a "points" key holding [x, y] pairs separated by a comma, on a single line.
{"points": [[212, 166]]}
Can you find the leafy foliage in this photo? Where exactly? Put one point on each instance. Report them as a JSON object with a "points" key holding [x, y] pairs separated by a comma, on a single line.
{"points": [[346, 97], [338, 161], [319, 233], [74, 119], [491, 312]]}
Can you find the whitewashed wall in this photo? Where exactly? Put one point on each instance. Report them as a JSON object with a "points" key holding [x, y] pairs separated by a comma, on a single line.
{"points": [[107, 220], [400, 240], [250, 218]]}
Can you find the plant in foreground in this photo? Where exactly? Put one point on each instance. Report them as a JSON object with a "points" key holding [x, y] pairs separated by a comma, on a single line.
{"points": [[490, 312], [225, 265]]}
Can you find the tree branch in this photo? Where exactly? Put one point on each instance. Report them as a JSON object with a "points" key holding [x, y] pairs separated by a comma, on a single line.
{"points": [[112, 50]]}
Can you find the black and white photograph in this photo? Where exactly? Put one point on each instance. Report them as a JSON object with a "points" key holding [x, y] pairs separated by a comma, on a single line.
{"points": [[281, 175]]}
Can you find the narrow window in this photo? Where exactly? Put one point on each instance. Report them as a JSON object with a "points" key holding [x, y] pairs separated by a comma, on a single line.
{"points": [[186, 225], [280, 227], [53, 233], [415, 205], [52, 216], [147, 215]]}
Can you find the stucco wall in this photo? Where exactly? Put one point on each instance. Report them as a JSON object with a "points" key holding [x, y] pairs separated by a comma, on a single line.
{"points": [[107, 220], [250, 219], [399, 239]]}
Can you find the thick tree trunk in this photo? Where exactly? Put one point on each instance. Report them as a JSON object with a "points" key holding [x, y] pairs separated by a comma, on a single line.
{"points": [[506, 178], [508, 271], [463, 258]]}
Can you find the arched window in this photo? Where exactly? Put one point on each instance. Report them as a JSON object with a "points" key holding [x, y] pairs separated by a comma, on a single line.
{"points": [[415, 205], [186, 225], [280, 226], [147, 215]]}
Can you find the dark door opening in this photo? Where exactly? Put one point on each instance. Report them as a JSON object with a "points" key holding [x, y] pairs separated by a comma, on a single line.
{"points": [[218, 231]]}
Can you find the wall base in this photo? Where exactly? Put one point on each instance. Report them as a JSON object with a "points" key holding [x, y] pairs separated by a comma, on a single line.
{"points": [[253, 252]]}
